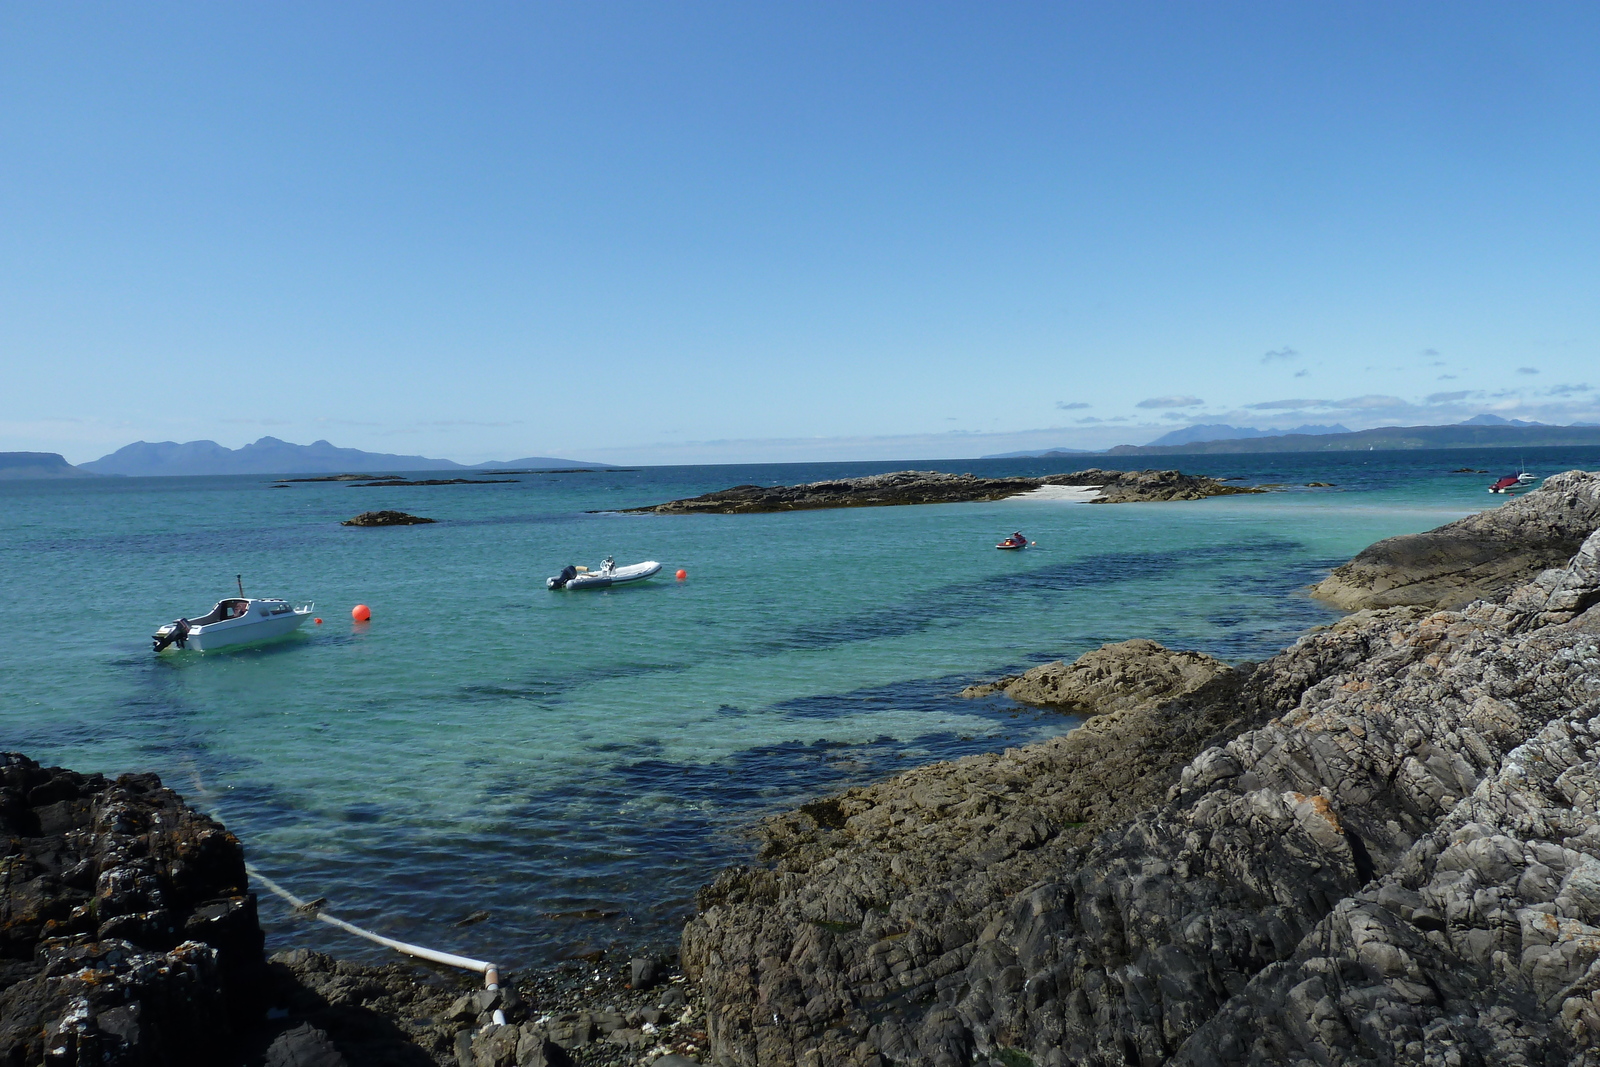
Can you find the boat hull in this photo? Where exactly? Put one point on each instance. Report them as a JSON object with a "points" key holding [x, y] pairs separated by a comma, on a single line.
{"points": [[247, 631], [638, 572]]}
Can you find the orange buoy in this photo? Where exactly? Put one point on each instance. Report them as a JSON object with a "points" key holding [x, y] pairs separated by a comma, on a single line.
{"points": [[682, 574], [319, 622], [361, 613]]}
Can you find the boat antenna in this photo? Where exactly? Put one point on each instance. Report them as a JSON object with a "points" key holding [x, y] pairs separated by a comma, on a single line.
{"points": [[240, 579]]}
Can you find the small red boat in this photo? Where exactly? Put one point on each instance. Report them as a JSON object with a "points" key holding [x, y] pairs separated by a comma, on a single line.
{"points": [[1507, 484], [1016, 540]]}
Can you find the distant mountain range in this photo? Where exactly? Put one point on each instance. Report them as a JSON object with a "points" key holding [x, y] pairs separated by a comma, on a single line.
{"points": [[1496, 420], [272, 456], [1220, 432]]}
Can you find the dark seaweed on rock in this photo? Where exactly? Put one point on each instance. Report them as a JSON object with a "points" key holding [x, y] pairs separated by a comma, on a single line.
{"points": [[1380, 846], [935, 487]]}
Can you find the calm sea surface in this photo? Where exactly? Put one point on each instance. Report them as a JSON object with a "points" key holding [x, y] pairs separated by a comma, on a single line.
{"points": [[487, 745]]}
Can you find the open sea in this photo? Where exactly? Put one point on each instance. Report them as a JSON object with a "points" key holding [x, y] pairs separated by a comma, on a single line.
{"points": [[578, 764]]}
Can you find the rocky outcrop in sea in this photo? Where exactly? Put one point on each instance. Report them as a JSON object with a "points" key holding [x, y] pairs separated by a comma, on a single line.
{"points": [[1380, 846], [1481, 556], [935, 487], [386, 518]]}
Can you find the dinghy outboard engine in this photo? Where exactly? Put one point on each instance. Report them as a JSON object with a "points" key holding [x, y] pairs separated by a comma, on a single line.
{"points": [[560, 581], [174, 633]]}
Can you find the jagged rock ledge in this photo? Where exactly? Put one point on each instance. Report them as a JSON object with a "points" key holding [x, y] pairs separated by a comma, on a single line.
{"points": [[935, 487], [1480, 556], [1380, 846]]}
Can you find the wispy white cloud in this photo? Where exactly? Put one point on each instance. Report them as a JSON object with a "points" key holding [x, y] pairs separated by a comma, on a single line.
{"points": [[1075, 405], [1286, 405], [1369, 402], [1527, 370], [1279, 354], [1171, 402]]}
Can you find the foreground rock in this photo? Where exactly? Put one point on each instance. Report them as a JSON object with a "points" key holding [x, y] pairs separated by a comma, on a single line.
{"points": [[1380, 846], [1111, 678], [385, 518], [934, 487], [127, 937], [127, 934], [1480, 556]]}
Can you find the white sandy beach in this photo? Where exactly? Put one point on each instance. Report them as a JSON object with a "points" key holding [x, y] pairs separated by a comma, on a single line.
{"points": [[1062, 494]]}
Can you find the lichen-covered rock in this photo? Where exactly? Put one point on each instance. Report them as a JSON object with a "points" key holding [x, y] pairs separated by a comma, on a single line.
{"points": [[1111, 678], [1482, 556], [963, 913]]}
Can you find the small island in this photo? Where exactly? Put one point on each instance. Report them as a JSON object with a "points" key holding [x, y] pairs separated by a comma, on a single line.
{"points": [[386, 518], [936, 487]]}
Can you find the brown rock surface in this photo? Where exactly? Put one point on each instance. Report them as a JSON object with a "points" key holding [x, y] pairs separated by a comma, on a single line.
{"points": [[1480, 556], [1110, 678]]}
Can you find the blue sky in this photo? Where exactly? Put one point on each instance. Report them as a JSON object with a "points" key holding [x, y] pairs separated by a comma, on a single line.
{"points": [[721, 232]]}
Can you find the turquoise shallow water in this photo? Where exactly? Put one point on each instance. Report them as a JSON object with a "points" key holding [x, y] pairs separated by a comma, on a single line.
{"points": [[485, 744]]}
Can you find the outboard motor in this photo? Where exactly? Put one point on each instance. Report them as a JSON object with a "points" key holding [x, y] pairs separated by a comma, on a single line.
{"points": [[175, 634], [560, 581]]}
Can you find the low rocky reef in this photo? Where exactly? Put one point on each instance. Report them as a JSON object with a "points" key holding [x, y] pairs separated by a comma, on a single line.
{"points": [[386, 518], [934, 487], [1381, 845], [1481, 556], [1111, 678]]}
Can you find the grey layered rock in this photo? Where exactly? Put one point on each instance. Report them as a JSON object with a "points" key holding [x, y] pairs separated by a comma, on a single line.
{"points": [[1561, 593], [1111, 678], [1482, 556], [1391, 856]]}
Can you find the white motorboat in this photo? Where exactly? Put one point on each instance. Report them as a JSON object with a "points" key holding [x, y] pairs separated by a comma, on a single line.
{"points": [[235, 621], [607, 575]]}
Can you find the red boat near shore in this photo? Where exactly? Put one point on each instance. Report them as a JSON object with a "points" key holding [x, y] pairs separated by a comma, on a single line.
{"points": [[1506, 484]]}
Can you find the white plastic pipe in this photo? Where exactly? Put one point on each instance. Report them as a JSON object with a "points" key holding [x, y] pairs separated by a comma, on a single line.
{"points": [[491, 973]]}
